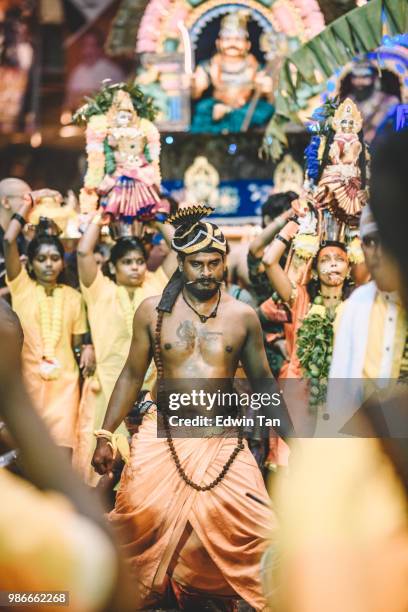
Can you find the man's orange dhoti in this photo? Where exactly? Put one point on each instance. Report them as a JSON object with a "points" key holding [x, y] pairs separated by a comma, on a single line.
{"points": [[209, 542]]}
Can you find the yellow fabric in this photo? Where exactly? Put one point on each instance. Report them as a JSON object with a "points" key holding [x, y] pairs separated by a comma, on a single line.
{"points": [[375, 344], [45, 546], [353, 509], [110, 333], [118, 443], [57, 400]]}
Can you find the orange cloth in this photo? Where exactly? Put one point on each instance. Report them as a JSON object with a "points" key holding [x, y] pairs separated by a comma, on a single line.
{"points": [[299, 309], [57, 400], [210, 541], [46, 546], [349, 550], [278, 449]]}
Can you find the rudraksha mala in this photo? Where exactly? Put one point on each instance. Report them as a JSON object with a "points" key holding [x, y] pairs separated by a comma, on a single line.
{"points": [[160, 371]]}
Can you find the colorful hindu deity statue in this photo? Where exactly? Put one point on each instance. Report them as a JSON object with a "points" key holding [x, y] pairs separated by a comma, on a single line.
{"points": [[123, 148], [341, 187], [232, 75]]}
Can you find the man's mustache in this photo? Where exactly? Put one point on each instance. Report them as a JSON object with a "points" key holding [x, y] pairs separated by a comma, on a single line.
{"points": [[205, 280]]}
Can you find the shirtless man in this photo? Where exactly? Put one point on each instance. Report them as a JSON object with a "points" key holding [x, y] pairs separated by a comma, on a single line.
{"points": [[196, 511]]}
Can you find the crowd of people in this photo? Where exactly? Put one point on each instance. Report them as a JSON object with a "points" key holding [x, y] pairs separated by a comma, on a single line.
{"points": [[85, 344]]}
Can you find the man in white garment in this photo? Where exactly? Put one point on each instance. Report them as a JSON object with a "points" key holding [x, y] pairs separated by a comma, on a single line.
{"points": [[369, 334]]}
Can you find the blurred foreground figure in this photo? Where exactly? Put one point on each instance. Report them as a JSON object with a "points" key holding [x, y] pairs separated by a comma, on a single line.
{"points": [[52, 538], [349, 550], [389, 188]]}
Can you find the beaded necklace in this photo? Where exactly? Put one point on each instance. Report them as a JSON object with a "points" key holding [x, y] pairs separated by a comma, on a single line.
{"points": [[160, 370]]}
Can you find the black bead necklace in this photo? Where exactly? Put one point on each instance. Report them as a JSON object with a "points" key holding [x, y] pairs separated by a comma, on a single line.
{"points": [[204, 318], [160, 373]]}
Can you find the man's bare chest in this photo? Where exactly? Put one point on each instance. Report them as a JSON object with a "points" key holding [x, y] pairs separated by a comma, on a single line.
{"points": [[213, 342]]}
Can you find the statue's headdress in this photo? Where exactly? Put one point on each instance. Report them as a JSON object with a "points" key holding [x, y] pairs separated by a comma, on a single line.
{"points": [[192, 235], [103, 100], [347, 110], [123, 101], [235, 24]]}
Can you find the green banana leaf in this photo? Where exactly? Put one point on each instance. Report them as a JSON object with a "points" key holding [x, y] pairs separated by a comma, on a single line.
{"points": [[357, 32]]}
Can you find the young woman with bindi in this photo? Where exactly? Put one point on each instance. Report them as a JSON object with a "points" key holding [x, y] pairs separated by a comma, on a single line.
{"points": [[53, 319]]}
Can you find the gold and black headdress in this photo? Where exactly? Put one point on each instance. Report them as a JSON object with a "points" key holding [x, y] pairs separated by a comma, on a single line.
{"points": [[192, 235]]}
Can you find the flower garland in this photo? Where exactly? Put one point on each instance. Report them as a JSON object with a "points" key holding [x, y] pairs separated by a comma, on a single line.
{"points": [[95, 137], [319, 126], [354, 251], [314, 350], [51, 314], [101, 159]]}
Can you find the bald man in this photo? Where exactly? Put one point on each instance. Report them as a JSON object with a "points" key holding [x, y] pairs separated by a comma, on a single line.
{"points": [[12, 191]]}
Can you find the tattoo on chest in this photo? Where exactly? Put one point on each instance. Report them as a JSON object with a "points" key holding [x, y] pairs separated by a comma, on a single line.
{"points": [[188, 334]]}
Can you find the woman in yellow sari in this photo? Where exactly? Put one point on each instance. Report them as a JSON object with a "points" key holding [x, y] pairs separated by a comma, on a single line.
{"points": [[111, 305], [53, 319]]}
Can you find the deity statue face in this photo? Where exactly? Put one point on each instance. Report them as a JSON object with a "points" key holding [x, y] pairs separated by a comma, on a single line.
{"points": [[347, 126], [123, 118], [347, 118], [233, 44]]}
